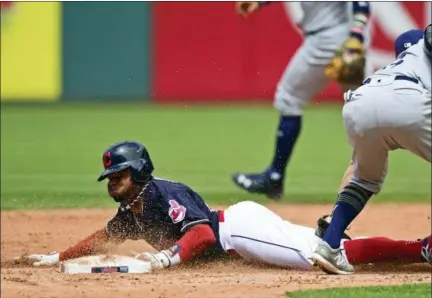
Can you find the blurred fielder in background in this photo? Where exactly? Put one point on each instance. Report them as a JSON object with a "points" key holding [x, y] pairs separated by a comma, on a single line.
{"points": [[334, 47]]}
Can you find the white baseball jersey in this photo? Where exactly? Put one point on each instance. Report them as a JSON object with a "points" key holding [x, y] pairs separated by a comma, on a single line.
{"points": [[412, 63]]}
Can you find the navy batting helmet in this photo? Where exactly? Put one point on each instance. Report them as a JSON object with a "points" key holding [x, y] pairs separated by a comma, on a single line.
{"points": [[127, 155]]}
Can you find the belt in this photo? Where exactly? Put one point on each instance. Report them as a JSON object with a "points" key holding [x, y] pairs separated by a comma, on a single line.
{"points": [[397, 78]]}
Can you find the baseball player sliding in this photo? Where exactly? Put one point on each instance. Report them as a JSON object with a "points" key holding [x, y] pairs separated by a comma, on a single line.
{"points": [[334, 47], [176, 221], [392, 110]]}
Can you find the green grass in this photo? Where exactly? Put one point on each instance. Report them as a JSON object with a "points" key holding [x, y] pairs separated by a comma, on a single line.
{"points": [[404, 291], [51, 154]]}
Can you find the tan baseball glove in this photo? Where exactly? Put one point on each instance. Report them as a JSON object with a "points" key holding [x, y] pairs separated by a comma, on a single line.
{"points": [[347, 66]]}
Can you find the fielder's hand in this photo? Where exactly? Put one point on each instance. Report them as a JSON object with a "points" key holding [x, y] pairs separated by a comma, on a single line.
{"points": [[39, 260], [245, 8], [347, 66], [158, 260]]}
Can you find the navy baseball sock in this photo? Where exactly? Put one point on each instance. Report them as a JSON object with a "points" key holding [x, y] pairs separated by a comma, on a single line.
{"points": [[287, 134], [350, 203]]}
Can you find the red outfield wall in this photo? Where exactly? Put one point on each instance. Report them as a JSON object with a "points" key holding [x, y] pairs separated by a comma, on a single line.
{"points": [[203, 51]]}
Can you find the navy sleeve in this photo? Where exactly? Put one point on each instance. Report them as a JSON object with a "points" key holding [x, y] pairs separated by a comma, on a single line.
{"points": [[122, 226], [186, 208]]}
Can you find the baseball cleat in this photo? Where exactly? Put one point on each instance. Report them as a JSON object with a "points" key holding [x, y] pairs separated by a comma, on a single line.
{"points": [[331, 261], [263, 183], [426, 252]]}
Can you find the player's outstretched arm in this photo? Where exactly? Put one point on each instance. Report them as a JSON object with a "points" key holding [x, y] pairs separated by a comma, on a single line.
{"points": [[93, 244], [194, 242]]}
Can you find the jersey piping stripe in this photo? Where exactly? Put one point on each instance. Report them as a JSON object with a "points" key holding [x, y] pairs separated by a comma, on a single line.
{"points": [[265, 242], [193, 223], [274, 244]]}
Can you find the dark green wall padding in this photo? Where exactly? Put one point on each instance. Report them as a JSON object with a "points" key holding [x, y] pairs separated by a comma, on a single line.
{"points": [[106, 50]]}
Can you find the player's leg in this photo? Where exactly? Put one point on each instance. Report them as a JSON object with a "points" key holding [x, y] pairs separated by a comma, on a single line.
{"points": [[258, 234], [386, 250], [302, 79], [292, 90], [396, 120], [417, 138], [370, 168], [369, 70]]}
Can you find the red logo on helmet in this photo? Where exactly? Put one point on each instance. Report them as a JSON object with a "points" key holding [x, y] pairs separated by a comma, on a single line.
{"points": [[107, 160], [177, 212]]}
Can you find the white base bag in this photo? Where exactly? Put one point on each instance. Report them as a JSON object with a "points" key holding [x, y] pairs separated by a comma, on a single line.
{"points": [[105, 264]]}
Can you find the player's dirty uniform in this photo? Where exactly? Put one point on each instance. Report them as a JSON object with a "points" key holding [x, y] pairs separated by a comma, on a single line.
{"points": [[246, 229]]}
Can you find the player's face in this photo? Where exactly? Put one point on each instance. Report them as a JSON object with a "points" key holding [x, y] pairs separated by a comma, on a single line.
{"points": [[119, 185]]}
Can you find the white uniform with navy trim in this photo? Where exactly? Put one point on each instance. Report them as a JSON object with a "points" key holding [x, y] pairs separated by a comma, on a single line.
{"points": [[392, 110]]}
